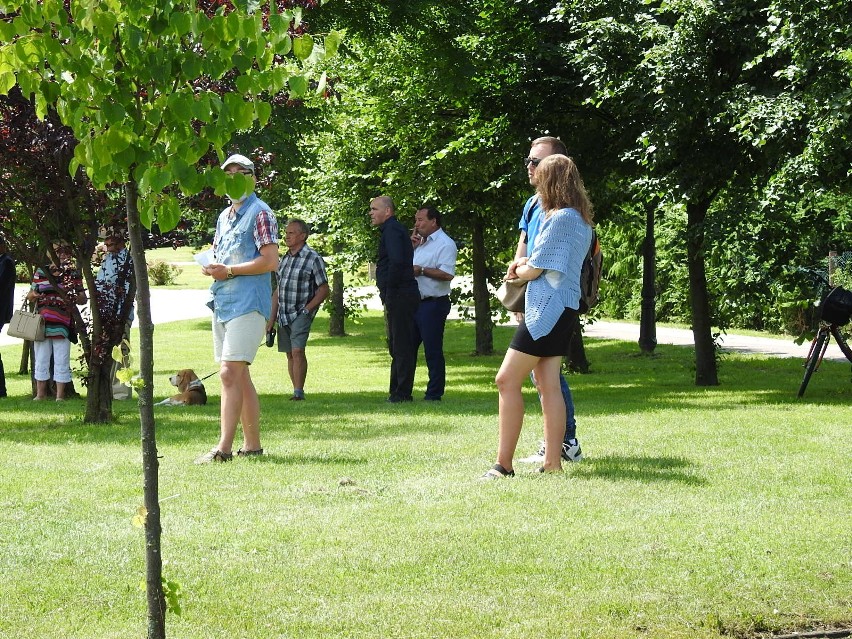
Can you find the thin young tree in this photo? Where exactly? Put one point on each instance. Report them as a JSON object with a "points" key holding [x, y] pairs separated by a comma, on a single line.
{"points": [[149, 88]]}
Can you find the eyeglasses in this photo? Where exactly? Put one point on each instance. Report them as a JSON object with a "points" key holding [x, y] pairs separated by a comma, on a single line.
{"points": [[533, 161], [243, 171]]}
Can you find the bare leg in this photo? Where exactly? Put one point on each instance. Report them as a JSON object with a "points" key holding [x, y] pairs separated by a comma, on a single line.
{"points": [[232, 376], [250, 415], [553, 407], [41, 389], [298, 365], [60, 391], [290, 368], [513, 371]]}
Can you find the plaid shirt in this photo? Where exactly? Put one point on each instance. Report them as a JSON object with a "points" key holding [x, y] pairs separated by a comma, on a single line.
{"points": [[299, 277]]}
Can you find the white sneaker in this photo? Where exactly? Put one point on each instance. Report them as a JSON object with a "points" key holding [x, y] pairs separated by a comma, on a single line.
{"points": [[571, 452], [537, 457]]}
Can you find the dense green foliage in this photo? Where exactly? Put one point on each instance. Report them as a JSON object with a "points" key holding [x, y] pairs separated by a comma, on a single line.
{"points": [[741, 110]]}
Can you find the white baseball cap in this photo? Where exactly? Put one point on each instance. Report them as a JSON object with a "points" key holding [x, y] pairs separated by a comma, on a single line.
{"points": [[239, 160]]}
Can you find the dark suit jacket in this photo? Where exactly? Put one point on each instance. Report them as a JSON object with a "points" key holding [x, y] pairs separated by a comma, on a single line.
{"points": [[7, 287], [395, 266]]}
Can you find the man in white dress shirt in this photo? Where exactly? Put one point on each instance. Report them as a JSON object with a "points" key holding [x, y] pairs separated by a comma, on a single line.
{"points": [[434, 267]]}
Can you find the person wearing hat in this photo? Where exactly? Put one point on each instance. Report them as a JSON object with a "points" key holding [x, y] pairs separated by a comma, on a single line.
{"points": [[115, 301], [245, 252]]}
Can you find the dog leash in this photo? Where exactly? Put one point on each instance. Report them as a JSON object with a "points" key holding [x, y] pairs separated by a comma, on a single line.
{"points": [[210, 375]]}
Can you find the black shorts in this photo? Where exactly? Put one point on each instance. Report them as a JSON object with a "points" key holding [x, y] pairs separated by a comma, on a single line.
{"points": [[554, 344]]}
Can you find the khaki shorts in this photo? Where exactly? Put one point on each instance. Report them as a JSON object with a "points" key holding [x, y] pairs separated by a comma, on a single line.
{"points": [[237, 340]]}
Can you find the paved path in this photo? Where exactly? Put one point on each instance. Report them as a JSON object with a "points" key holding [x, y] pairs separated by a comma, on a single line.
{"points": [[170, 305]]}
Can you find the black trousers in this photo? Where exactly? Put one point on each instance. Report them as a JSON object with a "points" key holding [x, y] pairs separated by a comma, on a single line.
{"points": [[400, 308], [2, 372]]}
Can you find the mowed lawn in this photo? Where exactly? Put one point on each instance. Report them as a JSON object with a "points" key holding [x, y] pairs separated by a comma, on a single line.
{"points": [[697, 512]]}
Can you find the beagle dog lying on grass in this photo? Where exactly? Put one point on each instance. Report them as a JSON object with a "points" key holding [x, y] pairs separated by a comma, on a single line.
{"points": [[191, 390]]}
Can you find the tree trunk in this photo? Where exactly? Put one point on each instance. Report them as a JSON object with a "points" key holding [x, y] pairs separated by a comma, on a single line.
{"points": [[648, 319], [99, 395], [26, 354], [150, 463], [702, 324], [481, 297]]}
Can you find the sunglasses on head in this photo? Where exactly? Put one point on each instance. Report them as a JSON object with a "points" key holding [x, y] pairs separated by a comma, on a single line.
{"points": [[533, 161]]}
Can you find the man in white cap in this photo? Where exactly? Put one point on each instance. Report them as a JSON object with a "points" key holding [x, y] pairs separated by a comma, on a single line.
{"points": [[245, 251]]}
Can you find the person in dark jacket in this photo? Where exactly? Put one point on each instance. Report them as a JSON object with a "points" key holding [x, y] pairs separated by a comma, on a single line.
{"points": [[399, 294], [7, 299]]}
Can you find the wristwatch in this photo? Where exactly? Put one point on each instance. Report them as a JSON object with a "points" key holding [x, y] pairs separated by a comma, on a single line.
{"points": [[305, 311], [230, 273]]}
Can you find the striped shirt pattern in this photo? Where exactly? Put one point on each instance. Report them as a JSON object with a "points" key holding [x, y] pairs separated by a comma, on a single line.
{"points": [[52, 305]]}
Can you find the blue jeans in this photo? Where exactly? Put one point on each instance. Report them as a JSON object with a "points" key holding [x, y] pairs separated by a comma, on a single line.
{"points": [[570, 421], [430, 319]]}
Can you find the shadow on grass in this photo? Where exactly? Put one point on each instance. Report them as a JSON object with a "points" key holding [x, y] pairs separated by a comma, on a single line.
{"points": [[295, 460], [636, 468], [622, 382]]}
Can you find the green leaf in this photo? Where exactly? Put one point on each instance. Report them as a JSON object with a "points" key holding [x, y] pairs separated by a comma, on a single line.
{"points": [[285, 45], [140, 517], [263, 111], [332, 43], [146, 213], [321, 84], [201, 108], [7, 81], [168, 215], [244, 84], [298, 86], [181, 23], [303, 46], [113, 112]]}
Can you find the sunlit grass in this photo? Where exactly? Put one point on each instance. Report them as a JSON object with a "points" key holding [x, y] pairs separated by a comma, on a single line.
{"points": [[697, 512]]}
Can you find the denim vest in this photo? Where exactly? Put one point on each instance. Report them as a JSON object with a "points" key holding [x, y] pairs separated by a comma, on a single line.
{"points": [[235, 244]]}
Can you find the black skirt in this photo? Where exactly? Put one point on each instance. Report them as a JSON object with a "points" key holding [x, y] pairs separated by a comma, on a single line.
{"points": [[554, 344]]}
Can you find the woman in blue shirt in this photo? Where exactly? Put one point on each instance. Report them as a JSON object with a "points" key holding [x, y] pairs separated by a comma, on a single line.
{"points": [[552, 300]]}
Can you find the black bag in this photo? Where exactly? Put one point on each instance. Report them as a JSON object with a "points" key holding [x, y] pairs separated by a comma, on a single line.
{"points": [[836, 308], [590, 276]]}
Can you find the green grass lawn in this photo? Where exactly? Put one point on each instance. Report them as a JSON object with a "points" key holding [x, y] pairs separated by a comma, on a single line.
{"points": [[697, 512]]}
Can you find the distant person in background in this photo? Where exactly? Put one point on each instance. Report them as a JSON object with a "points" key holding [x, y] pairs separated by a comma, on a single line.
{"points": [[434, 267], [302, 288], [7, 299], [399, 294], [114, 283], [55, 304], [245, 252]]}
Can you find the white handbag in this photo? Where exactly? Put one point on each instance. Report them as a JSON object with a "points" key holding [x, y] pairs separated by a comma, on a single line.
{"points": [[26, 325]]}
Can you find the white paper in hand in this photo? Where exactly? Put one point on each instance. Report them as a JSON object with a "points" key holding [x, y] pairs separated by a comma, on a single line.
{"points": [[205, 258]]}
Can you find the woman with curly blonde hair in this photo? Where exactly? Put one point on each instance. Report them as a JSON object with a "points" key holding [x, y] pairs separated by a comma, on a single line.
{"points": [[552, 300]]}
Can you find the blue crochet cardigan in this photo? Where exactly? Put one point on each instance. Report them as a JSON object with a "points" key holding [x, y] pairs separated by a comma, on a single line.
{"points": [[562, 244]]}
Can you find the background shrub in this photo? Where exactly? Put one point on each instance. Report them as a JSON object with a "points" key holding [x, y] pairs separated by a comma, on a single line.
{"points": [[163, 273]]}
